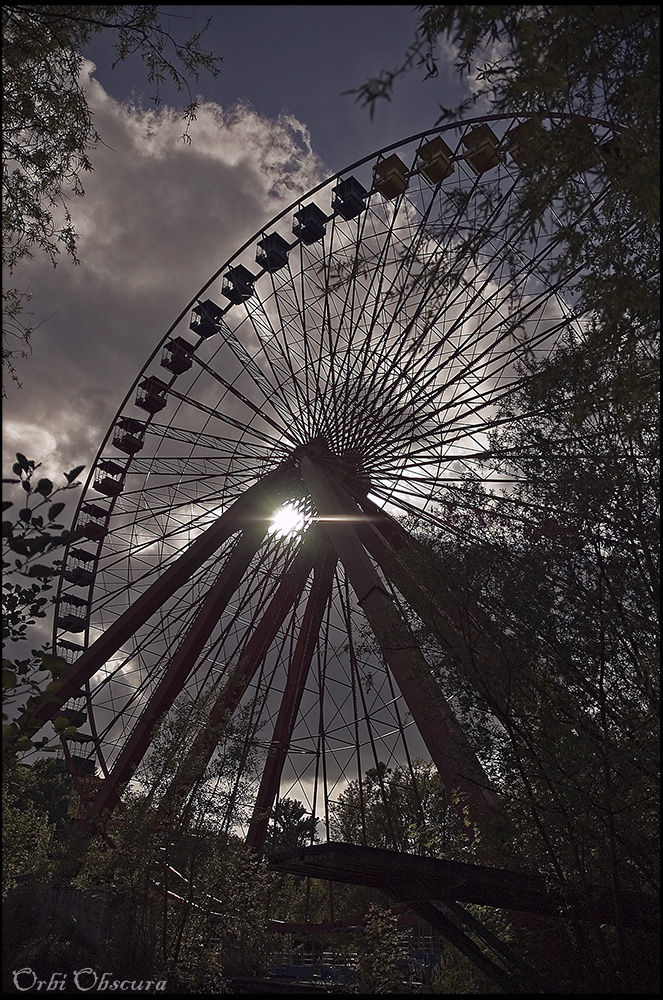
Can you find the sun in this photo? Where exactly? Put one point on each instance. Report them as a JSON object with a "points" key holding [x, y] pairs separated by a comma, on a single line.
{"points": [[286, 521]]}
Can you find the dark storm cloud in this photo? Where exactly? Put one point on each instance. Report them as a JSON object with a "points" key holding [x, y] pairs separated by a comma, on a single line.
{"points": [[159, 216]]}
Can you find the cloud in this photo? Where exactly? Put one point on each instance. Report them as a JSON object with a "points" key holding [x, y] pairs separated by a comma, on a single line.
{"points": [[158, 218]]}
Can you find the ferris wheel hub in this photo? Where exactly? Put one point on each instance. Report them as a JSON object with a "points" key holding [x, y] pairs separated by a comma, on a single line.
{"points": [[347, 466]]}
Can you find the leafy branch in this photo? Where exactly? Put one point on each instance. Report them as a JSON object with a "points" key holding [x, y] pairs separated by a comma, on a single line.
{"points": [[29, 541]]}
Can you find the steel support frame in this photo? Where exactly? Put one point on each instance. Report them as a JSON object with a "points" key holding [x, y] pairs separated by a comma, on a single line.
{"points": [[244, 511], [466, 633], [511, 981], [240, 676], [472, 631], [178, 670], [450, 750], [307, 641]]}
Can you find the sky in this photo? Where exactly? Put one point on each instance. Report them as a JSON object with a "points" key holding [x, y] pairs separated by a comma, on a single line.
{"points": [[160, 216]]}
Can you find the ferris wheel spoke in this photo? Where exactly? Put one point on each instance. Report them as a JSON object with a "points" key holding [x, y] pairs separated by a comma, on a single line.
{"points": [[473, 295], [271, 389], [278, 352], [371, 296], [423, 365], [281, 429], [226, 418]]}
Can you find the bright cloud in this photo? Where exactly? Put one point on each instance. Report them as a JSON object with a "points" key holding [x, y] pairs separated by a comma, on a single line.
{"points": [[159, 217]]}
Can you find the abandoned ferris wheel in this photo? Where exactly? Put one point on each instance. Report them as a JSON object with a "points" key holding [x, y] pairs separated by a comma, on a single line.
{"points": [[250, 528]]}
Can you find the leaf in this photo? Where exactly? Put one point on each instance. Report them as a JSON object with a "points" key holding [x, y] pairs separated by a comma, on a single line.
{"points": [[61, 723], [25, 514], [41, 572], [45, 487], [22, 462], [9, 679], [70, 476], [54, 510], [56, 665]]}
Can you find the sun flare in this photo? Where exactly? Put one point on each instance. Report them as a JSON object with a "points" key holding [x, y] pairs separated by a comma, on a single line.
{"points": [[286, 521]]}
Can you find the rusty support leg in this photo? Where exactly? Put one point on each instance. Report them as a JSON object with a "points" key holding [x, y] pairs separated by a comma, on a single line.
{"points": [[391, 548], [178, 670], [447, 744], [291, 700], [465, 631], [249, 506], [479, 647], [200, 753]]}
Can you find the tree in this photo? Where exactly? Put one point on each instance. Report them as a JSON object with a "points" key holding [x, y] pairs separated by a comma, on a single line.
{"points": [[292, 827], [30, 539], [582, 684], [183, 871], [182, 900], [48, 131], [566, 710], [596, 60], [26, 832], [35, 802], [379, 952], [403, 808]]}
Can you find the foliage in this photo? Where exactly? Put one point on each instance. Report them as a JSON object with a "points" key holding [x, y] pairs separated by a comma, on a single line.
{"points": [[26, 831], [30, 539], [195, 900], [545, 639], [600, 61], [47, 127], [36, 803], [17, 330], [292, 827], [404, 807], [379, 952], [180, 900], [454, 973], [561, 695], [596, 60], [211, 784]]}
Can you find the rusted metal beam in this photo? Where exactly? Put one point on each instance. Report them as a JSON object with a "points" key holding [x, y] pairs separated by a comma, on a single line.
{"points": [[297, 672], [447, 744], [249, 506], [464, 628], [415, 878], [240, 676], [178, 670]]}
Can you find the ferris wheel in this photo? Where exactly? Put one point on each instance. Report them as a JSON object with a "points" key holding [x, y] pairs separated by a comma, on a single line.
{"points": [[250, 546]]}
